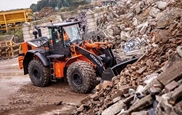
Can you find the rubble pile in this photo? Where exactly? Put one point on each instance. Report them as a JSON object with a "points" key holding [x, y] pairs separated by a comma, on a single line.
{"points": [[153, 84], [46, 12], [132, 19]]}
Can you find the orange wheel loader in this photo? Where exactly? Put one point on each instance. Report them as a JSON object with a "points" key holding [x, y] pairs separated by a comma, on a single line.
{"points": [[81, 62]]}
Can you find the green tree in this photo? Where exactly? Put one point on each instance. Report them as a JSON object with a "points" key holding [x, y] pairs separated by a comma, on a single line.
{"points": [[72, 4], [53, 3], [34, 7], [41, 4]]}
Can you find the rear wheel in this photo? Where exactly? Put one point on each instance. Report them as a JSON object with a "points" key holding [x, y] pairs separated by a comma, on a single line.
{"points": [[39, 74], [81, 77]]}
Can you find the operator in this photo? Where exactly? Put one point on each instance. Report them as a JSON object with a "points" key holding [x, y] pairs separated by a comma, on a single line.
{"points": [[66, 37]]}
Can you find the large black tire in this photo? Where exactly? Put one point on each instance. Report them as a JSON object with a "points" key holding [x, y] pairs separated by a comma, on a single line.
{"points": [[39, 74], [81, 77]]}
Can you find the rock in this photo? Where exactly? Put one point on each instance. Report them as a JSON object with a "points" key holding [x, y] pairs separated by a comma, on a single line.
{"points": [[168, 17], [109, 18], [141, 70], [138, 9], [116, 99], [153, 12], [176, 96], [148, 2], [113, 109], [116, 93], [58, 103], [81, 108], [156, 89], [135, 22], [171, 86], [179, 51], [116, 30], [131, 91], [98, 87], [161, 4], [142, 103], [143, 29], [145, 24], [159, 16], [140, 89], [171, 73], [164, 108], [124, 88], [135, 52], [149, 62], [101, 99], [124, 35], [178, 108], [106, 84], [110, 32]]}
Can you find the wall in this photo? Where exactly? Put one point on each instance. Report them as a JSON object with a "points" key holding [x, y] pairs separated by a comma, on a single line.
{"points": [[28, 28], [89, 18]]}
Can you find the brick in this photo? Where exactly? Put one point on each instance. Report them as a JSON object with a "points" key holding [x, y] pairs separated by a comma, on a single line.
{"points": [[171, 86], [106, 84]]}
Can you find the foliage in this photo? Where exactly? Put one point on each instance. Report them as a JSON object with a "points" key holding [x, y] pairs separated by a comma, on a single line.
{"points": [[18, 35], [17, 32], [57, 4]]}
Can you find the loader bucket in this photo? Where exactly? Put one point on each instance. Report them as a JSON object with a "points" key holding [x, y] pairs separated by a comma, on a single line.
{"points": [[110, 72]]}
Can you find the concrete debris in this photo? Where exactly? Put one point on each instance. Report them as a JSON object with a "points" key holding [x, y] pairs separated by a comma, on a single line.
{"points": [[171, 86], [115, 108], [161, 4], [153, 84], [153, 12]]}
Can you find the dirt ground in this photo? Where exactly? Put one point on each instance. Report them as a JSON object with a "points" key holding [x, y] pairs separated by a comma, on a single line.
{"points": [[19, 97]]}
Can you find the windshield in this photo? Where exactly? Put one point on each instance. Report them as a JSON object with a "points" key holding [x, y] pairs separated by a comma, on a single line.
{"points": [[73, 32]]}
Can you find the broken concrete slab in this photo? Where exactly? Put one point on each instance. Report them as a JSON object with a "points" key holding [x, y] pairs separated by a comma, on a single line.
{"points": [[142, 103], [176, 95], [114, 109], [141, 70], [171, 73], [171, 86]]}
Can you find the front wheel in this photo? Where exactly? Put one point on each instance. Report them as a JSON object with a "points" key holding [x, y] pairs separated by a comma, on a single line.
{"points": [[39, 74], [81, 77]]}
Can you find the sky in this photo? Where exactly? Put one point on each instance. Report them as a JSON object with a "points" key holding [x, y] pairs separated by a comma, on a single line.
{"points": [[15, 4]]}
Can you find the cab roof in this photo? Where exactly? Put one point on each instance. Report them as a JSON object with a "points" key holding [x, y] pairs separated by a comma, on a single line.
{"points": [[63, 24]]}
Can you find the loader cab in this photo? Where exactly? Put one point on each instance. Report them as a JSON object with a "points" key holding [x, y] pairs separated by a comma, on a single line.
{"points": [[62, 36]]}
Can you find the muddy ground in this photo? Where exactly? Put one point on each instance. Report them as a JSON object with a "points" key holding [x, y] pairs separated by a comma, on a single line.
{"points": [[19, 97]]}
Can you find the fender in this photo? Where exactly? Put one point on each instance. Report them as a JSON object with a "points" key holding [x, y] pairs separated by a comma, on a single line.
{"points": [[74, 59], [89, 57], [30, 55]]}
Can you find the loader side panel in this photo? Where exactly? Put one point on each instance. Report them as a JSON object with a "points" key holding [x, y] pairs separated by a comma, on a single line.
{"points": [[93, 58], [59, 69]]}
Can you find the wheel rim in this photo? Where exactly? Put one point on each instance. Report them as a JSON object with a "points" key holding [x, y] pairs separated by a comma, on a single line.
{"points": [[36, 73], [77, 79]]}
